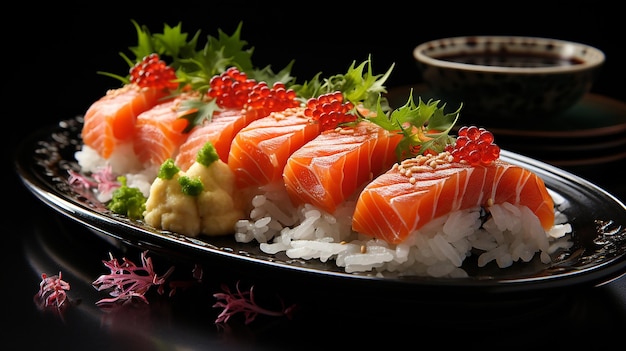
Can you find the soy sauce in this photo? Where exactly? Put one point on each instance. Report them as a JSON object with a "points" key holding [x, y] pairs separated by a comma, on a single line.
{"points": [[512, 60]]}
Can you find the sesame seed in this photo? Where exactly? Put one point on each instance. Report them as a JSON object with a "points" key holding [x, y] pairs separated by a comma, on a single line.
{"points": [[345, 131]]}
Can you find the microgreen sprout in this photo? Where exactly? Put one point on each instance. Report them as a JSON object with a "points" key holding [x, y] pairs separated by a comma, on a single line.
{"points": [[80, 180], [244, 302], [127, 280], [104, 179], [107, 181], [52, 290]]}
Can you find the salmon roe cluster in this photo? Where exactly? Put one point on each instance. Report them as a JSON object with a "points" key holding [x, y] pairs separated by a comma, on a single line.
{"points": [[330, 110], [276, 98], [153, 72], [474, 146], [230, 89], [233, 89]]}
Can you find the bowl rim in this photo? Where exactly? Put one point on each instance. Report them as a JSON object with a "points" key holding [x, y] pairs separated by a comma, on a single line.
{"points": [[596, 56]]}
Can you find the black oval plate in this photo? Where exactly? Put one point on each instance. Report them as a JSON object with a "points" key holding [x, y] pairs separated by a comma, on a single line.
{"points": [[597, 217]]}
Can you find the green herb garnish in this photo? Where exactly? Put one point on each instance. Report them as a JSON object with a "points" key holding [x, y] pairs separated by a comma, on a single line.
{"points": [[127, 200], [190, 186]]}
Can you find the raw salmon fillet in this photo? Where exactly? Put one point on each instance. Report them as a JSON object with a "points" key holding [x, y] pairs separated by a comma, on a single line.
{"points": [[405, 198], [159, 131], [331, 167], [260, 150], [220, 131], [111, 120]]}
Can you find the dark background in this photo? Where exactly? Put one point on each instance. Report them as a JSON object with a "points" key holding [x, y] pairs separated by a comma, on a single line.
{"points": [[52, 53], [53, 59]]}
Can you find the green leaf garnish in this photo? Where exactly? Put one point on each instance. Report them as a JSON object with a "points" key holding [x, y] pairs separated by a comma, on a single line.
{"points": [[357, 87], [424, 125], [202, 110], [127, 201]]}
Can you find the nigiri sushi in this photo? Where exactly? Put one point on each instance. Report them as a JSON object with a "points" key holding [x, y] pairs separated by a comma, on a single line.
{"points": [[110, 120], [260, 150], [160, 131], [220, 131], [329, 169], [422, 189], [241, 100]]}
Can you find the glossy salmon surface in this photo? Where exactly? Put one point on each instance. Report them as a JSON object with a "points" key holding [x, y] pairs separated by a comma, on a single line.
{"points": [[159, 132], [260, 151], [220, 131], [330, 168], [410, 195], [111, 120]]}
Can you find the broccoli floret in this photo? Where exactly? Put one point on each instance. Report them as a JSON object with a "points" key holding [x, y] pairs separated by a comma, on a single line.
{"points": [[127, 201]]}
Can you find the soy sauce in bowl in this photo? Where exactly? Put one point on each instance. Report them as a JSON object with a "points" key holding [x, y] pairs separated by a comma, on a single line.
{"points": [[508, 76], [513, 60]]}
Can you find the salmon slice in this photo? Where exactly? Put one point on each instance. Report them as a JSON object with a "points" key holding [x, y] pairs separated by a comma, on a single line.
{"points": [[111, 120], [405, 198], [331, 167], [220, 131], [159, 131], [260, 150]]}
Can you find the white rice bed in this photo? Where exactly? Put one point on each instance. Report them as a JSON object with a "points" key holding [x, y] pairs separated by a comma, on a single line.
{"points": [[511, 234]]}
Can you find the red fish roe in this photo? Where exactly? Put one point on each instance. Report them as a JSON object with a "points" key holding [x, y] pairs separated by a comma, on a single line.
{"points": [[233, 89], [330, 110], [474, 146], [153, 72]]}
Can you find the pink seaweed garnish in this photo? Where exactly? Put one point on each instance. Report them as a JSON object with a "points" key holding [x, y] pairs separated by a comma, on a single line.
{"points": [[107, 181], [80, 180], [52, 290], [243, 302], [104, 180], [127, 280]]}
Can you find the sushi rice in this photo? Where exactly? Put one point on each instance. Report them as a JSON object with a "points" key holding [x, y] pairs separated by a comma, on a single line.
{"points": [[510, 234]]}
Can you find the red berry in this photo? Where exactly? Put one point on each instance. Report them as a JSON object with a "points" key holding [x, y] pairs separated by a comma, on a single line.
{"points": [[154, 73]]}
